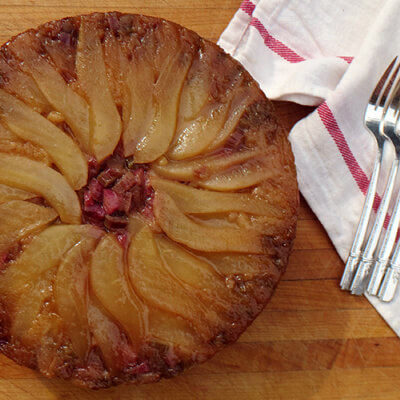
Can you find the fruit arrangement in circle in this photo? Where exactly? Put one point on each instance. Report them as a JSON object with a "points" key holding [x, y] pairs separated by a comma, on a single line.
{"points": [[148, 199]]}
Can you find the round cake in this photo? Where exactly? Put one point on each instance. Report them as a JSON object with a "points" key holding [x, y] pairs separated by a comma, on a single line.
{"points": [[148, 199]]}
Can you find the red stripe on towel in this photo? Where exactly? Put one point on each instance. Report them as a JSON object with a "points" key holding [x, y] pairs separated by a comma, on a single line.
{"points": [[248, 7], [331, 125], [276, 45], [347, 59]]}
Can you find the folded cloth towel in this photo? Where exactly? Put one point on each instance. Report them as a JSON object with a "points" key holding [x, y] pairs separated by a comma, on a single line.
{"points": [[330, 55]]}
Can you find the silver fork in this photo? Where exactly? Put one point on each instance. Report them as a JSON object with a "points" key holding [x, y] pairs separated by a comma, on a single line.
{"points": [[392, 273], [372, 120], [363, 276]]}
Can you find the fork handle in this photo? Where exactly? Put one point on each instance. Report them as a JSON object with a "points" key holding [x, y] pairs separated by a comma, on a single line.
{"points": [[377, 275], [390, 283], [361, 231], [391, 279], [363, 276]]}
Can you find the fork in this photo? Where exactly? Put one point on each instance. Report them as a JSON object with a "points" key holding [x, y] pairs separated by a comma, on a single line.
{"points": [[373, 119], [364, 279]]}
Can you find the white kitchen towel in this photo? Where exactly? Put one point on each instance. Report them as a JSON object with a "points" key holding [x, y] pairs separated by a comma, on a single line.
{"points": [[329, 54]]}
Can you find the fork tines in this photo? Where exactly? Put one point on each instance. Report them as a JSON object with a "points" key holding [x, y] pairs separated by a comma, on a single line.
{"points": [[369, 263]]}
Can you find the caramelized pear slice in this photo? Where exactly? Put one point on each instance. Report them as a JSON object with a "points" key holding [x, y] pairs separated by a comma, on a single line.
{"points": [[247, 265], [238, 106], [167, 89], [105, 122], [197, 273], [8, 193], [212, 126], [35, 177], [155, 284], [193, 137], [44, 252], [241, 177], [19, 83], [30, 125], [153, 124], [172, 330], [7, 135], [140, 116], [109, 285], [196, 89], [202, 168], [21, 218], [116, 351], [29, 304], [58, 94], [71, 294], [199, 201], [200, 236], [25, 149]]}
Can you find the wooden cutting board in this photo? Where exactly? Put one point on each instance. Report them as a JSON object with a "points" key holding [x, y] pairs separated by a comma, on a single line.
{"points": [[313, 341]]}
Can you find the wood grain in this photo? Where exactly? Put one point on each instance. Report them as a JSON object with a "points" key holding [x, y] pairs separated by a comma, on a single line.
{"points": [[311, 342]]}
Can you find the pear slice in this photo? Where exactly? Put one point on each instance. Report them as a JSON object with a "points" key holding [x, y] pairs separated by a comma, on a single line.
{"points": [[172, 330], [196, 272], [118, 68], [7, 135], [193, 137], [105, 122], [43, 253], [196, 89], [164, 292], [202, 168], [199, 201], [71, 294], [25, 149], [8, 193], [30, 125], [153, 120], [111, 288], [167, 89], [196, 135], [139, 118], [200, 236], [116, 351], [247, 265], [58, 94], [29, 304], [35, 177], [238, 105], [21, 218], [20, 83], [241, 177]]}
